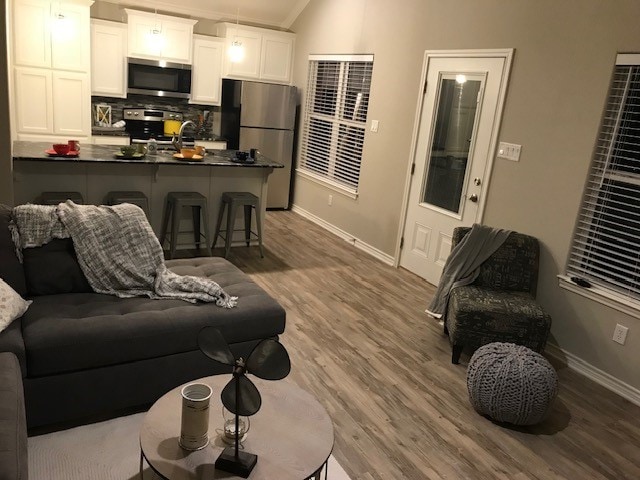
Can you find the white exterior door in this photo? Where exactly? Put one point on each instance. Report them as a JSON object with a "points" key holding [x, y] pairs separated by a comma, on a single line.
{"points": [[457, 133]]}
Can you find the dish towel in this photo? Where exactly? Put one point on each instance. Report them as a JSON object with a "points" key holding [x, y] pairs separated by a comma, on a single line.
{"points": [[462, 265]]}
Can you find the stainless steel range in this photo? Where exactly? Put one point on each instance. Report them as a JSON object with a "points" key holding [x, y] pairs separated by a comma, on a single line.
{"points": [[143, 124]]}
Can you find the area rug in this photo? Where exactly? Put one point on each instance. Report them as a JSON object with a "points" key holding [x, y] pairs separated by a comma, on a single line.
{"points": [[102, 451]]}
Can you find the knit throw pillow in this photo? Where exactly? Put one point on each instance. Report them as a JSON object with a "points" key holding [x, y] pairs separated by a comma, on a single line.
{"points": [[12, 305]]}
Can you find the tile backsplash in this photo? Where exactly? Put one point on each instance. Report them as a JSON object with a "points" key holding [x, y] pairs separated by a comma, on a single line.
{"points": [[190, 112]]}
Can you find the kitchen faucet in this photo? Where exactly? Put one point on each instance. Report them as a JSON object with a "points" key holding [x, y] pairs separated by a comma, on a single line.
{"points": [[177, 143]]}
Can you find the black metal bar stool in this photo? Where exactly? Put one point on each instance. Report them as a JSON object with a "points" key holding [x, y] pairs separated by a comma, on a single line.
{"points": [[174, 204], [136, 198], [234, 200], [54, 198]]}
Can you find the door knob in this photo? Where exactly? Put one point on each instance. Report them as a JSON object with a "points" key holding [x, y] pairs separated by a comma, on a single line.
{"points": [[473, 198]]}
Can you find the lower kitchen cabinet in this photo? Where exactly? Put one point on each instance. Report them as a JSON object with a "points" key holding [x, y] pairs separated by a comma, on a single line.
{"points": [[212, 145], [110, 140]]}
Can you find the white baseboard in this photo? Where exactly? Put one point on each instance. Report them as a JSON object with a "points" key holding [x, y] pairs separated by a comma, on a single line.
{"points": [[347, 237], [608, 381]]}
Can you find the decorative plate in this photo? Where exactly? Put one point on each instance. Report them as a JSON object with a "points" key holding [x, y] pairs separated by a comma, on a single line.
{"points": [[52, 153], [195, 158], [135, 156]]}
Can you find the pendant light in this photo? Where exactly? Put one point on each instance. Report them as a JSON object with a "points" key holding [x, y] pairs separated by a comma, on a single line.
{"points": [[236, 50]]}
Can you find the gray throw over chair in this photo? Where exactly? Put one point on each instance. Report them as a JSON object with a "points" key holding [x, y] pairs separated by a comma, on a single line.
{"points": [[500, 305]]}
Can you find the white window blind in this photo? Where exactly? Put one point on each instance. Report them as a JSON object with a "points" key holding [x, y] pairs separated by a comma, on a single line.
{"points": [[606, 243], [335, 118]]}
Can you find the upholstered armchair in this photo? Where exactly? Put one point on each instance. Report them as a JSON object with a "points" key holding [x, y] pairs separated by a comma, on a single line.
{"points": [[500, 305]]}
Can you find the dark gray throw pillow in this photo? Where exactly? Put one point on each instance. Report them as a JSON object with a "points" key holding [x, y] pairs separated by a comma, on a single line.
{"points": [[53, 268]]}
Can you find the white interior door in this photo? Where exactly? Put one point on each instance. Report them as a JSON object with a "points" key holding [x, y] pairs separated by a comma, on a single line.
{"points": [[456, 138]]}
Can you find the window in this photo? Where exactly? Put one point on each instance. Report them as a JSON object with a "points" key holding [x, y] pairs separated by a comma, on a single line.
{"points": [[606, 243], [335, 119]]}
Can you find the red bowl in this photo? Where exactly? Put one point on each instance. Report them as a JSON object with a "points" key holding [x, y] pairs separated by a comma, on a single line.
{"points": [[61, 148]]}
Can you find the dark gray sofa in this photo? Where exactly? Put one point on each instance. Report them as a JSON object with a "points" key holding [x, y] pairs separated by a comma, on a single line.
{"points": [[13, 426], [84, 354]]}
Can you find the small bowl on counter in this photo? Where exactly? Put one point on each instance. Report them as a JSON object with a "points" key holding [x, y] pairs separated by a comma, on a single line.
{"points": [[61, 148], [187, 152]]}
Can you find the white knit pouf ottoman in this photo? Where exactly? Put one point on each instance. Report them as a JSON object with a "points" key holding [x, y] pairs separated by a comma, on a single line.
{"points": [[511, 383]]}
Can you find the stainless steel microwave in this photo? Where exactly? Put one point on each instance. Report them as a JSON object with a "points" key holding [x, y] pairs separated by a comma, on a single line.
{"points": [[159, 78]]}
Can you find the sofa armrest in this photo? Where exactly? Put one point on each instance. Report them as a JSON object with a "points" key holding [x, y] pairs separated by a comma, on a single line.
{"points": [[13, 423], [11, 341]]}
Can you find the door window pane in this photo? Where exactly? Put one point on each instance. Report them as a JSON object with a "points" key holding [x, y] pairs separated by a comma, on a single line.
{"points": [[453, 131]]}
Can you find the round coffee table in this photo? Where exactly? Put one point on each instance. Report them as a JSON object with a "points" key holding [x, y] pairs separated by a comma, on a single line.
{"points": [[291, 434]]}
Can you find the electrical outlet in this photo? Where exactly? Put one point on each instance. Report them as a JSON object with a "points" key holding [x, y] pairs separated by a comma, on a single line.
{"points": [[620, 334], [330, 202]]}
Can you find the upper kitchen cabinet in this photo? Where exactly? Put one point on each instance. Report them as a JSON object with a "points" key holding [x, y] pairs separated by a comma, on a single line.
{"points": [[266, 55], [206, 72], [52, 102], [51, 34], [108, 58], [159, 37]]}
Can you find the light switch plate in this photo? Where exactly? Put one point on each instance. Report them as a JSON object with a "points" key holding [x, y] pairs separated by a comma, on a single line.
{"points": [[509, 151], [374, 125]]}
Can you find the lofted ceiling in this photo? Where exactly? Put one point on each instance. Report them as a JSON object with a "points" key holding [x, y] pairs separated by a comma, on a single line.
{"points": [[277, 13]]}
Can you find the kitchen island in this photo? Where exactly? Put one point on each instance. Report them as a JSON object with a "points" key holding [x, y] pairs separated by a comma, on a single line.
{"points": [[97, 170]]}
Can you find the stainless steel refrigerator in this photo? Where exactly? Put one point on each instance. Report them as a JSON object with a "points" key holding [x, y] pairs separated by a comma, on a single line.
{"points": [[263, 116]]}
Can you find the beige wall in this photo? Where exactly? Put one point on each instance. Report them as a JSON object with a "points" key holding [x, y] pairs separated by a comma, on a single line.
{"points": [[564, 55], [6, 176]]}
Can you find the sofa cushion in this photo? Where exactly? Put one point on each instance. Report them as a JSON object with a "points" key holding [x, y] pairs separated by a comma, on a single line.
{"points": [[10, 267], [69, 332], [53, 268]]}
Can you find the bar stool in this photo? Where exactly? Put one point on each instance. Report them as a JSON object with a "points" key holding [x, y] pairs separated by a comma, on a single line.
{"points": [[174, 203], [234, 200], [136, 198], [54, 198]]}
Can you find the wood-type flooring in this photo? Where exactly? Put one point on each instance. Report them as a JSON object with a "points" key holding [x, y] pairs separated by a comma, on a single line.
{"points": [[360, 341]]}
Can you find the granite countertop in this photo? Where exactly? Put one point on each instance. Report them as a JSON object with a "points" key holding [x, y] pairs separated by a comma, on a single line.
{"points": [[35, 151]]}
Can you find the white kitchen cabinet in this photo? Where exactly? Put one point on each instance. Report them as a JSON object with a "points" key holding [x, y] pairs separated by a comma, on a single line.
{"points": [[31, 33], [206, 72], [276, 59], [52, 102], [33, 100], [212, 145], [108, 58], [268, 54], [159, 37], [71, 104], [51, 34], [110, 140]]}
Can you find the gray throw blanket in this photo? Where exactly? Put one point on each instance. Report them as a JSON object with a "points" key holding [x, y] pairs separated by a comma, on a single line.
{"points": [[462, 265], [116, 249]]}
